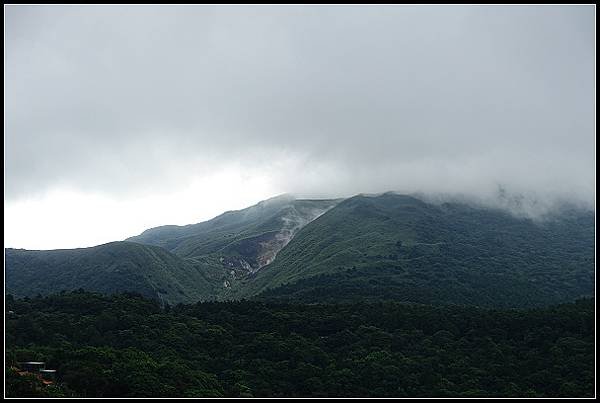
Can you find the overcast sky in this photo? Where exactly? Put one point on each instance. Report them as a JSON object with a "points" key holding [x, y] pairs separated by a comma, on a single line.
{"points": [[123, 118]]}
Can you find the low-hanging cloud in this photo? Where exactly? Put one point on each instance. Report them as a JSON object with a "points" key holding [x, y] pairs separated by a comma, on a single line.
{"points": [[320, 100]]}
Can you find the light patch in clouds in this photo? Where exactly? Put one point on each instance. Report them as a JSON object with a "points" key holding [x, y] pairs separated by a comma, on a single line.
{"points": [[71, 219], [128, 103]]}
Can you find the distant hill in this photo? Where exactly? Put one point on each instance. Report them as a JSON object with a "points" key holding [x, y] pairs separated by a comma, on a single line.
{"points": [[238, 243], [367, 248], [170, 263], [254, 234], [110, 268], [398, 247]]}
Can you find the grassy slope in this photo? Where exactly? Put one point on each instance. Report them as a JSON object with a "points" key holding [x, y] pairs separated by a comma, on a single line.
{"points": [[236, 242], [109, 268], [398, 247], [230, 231], [177, 264], [371, 248]]}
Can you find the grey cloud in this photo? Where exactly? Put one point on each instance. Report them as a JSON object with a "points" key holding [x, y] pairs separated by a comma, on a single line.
{"points": [[327, 100]]}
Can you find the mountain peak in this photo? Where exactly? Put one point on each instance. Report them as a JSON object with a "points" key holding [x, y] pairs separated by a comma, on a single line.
{"points": [[279, 199]]}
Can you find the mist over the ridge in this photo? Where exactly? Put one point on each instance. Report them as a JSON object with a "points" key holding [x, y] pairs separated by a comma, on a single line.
{"points": [[134, 102]]}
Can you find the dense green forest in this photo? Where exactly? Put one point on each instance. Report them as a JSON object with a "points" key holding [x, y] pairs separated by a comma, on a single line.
{"points": [[127, 345]]}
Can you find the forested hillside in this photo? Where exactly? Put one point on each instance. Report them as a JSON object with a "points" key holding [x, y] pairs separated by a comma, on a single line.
{"points": [[127, 346]]}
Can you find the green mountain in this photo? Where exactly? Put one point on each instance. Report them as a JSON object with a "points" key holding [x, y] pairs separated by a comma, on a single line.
{"points": [[368, 248], [399, 247], [248, 238], [171, 263], [238, 243], [110, 268]]}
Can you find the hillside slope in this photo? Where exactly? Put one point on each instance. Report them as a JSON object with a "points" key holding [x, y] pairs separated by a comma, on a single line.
{"points": [[109, 268], [239, 242], [399, 247], [368, 248], [174, 264]]}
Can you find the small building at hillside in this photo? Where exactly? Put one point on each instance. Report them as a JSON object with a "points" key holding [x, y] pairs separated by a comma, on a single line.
{"points": [[32, 366], [38, 368]]}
